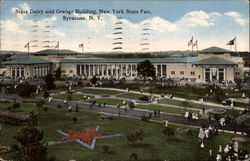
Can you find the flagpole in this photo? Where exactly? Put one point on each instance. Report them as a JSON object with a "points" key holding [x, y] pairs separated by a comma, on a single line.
{"points": [[58, 48], [28, 48], [235, 47], [196, 45]]}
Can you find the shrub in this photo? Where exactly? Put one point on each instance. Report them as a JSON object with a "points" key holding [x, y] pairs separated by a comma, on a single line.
{"points": [[74, 119], [46, 94], [45, 109], [144, 98], [131, 105], [138, 135], [59, 106], [16, 105], [26, 90], [133, 156], [106, 149], [169, 131], [77, 108]]}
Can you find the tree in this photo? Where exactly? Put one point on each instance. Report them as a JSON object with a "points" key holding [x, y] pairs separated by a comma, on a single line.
{"points": [[46, 94], [26, 90], [146, 69], [58, 73], [138, 135], [30, 138], [49, 81], [94, 80]]}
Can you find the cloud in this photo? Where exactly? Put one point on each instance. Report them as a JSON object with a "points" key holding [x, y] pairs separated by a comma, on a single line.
{"points": [[237, 18], [211, 29]]}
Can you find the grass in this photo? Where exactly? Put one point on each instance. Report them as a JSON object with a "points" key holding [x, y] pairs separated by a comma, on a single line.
{"points": [[134, 96], [109, 101], [75, 97], [185, 104], [163, 108], [101, 91], [154, 146]]}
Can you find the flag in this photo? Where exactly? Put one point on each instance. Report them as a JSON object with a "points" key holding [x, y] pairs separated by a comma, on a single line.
{"points": [[196, 43], [27, 45], [80, 45], [231, 42], [57, 46], [190, 42]]}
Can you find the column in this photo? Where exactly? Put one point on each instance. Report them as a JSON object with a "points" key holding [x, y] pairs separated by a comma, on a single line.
{"points": [[210, 74], [224, 74], [102, 68], [107, 70], [89, 70], [217, 76], [85, 70], [161, 70], [156, 70], [204, 74], [80, 70]]}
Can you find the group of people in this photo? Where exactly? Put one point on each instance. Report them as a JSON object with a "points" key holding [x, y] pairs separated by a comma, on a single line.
{"points": [[207, 132], [191, 115], [157, 113]]}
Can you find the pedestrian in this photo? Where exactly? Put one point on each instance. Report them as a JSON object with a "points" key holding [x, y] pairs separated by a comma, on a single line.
{"points": [[155, 113], [119, 111], [125, 109], [158, 113], [104, 104], [203, 110]]}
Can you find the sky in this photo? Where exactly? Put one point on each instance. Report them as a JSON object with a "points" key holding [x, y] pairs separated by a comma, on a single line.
{"points": [[162, 25]]}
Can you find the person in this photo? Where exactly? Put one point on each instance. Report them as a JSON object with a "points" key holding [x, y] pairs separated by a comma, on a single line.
{"points": [[207, 133], [201, 135], [69, 109], [203, 110], [186, 114], [165, 123], [158, 113], [125, 109], [155, 113]]}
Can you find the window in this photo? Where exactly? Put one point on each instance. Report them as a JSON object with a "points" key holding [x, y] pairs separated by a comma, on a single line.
{"points": [[192, 73], [207, 74], [181, 72], [71, 71], [64, 71], [172, 72]]}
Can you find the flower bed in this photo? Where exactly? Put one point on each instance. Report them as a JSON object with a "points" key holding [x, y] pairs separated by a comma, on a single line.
{"points": [[13, 118], [218, 111]]}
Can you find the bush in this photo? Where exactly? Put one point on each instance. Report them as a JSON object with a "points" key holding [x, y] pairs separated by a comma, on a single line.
{"points": [[59, 106], [16, 105], [45, 109], [46, 94], [133, 156], [77, 108], [144, 98], [169, 131], [25, 90], [138, 135], [131, 105], [74, 119], [106, 149]]}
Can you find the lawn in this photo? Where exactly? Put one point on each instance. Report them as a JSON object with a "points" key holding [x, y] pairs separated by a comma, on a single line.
{"points": [[154, 146], [185, 104], [163, 108], [109, 101], [134, 96], [75, 97], [101, 91]]}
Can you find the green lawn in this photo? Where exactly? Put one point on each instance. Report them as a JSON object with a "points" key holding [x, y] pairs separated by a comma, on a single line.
{"points": [[134, 96], [185, 104], [163, 108], [101, 91], [75, 97], [109, 101], [154, 146]]}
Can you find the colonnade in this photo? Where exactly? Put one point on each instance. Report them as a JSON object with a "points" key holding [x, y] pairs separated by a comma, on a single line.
{"points": [[115, 70]]}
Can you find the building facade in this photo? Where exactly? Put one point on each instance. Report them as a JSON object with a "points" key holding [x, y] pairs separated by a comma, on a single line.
{"points": [[211, 64]]}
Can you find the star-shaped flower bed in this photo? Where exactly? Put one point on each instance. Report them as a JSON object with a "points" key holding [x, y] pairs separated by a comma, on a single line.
{"points": [[85, 137]]}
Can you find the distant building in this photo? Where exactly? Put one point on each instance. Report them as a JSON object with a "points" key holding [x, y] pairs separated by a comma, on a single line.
{"points": [[211, 64]]}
